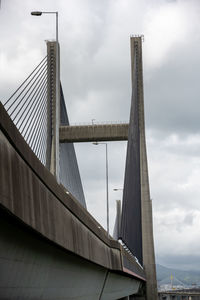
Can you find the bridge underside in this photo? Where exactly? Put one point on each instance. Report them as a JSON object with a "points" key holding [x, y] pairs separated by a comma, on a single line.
{"points": [[34, 268]]}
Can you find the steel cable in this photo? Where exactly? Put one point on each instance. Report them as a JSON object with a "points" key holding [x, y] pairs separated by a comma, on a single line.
{"points": [[33, 100], [24, 81], [30, 112], [37, 119], [42, 142], [37, 143], [31, 123], [25, 93]]}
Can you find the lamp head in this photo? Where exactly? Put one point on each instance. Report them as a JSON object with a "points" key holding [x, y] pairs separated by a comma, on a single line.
{"points": [[36, 13]]}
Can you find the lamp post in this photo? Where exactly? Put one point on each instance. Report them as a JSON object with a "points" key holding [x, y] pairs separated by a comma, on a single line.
{"points": [[107, 199], [55, 163], [39, 13]]}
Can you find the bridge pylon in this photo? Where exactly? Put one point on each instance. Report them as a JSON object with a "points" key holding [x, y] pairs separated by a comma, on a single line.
{"points": [[53, 108], [148, 254], [136, 224]]}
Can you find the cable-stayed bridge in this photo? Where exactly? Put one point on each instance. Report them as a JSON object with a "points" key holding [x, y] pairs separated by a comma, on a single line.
{"points": [[50, 246]]}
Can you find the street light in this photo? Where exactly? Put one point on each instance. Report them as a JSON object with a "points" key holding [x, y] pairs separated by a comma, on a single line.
{"points": [[107, 200], [57, 123], [39, 13]]}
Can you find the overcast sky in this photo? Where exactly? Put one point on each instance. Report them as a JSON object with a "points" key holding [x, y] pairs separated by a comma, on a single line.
{"points": [[95, 73]]}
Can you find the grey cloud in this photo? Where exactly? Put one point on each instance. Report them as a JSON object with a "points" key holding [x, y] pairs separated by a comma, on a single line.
{"points": [[178, 223], [182, 262], [189, 219], [172, 103], [95, 73]]}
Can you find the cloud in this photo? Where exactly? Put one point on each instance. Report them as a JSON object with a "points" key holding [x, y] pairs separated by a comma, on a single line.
{"points": [[177, 233], [181, 262], [95, 74], [165, 26], [174, 167]]}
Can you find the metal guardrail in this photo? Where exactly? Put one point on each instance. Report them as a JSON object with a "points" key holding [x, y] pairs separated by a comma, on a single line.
{"points": [[127, 250]]}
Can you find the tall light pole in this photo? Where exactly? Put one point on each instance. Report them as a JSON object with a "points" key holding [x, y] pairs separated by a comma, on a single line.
{"points": [[107, 198], [55, 144], [39, 13]]}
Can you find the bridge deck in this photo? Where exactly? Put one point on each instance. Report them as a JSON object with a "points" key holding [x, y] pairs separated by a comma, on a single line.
{"points": [[31, 194]]}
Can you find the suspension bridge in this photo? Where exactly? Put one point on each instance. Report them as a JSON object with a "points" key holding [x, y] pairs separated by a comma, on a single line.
{"points": [[51, 247]]}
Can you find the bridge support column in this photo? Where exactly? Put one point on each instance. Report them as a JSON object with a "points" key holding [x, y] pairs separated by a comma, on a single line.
{"points": [[53, 108], [146, 204]]}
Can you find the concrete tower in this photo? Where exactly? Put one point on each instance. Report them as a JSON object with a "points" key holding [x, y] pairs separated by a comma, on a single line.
{"points": [[146, 203], [136, 223]]}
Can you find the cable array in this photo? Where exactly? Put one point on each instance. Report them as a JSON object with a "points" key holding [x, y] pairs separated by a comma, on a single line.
{"points": [[27, 107]]}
